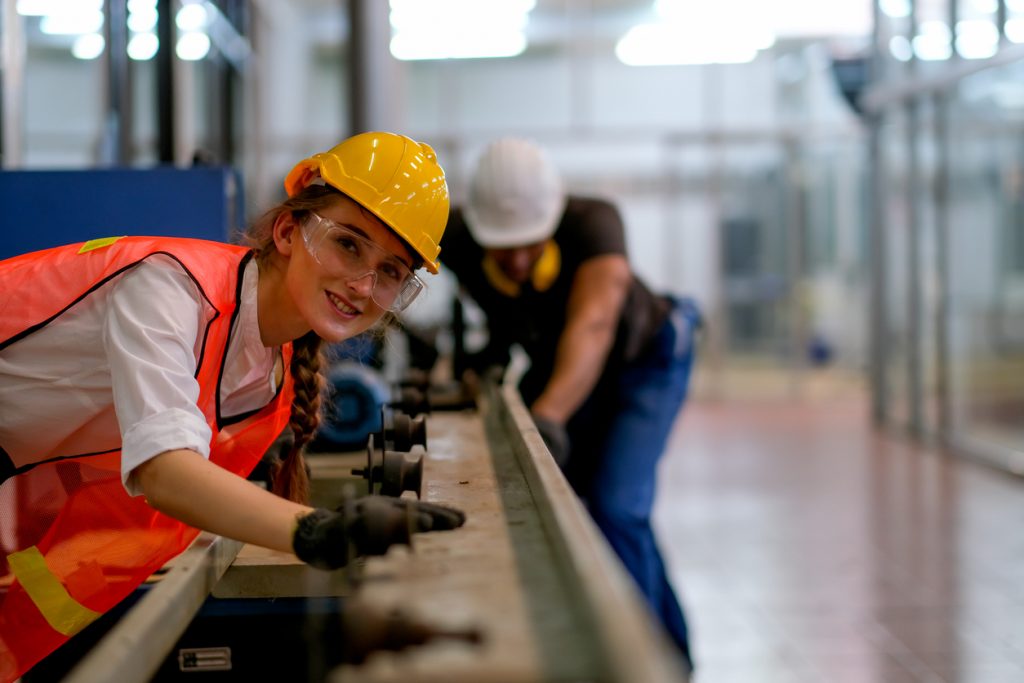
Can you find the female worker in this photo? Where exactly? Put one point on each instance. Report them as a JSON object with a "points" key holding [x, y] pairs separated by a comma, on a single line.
{"points": [[142, 378]]}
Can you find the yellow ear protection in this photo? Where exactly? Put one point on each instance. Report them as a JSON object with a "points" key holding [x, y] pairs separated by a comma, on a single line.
{"points": [[545, 272]]}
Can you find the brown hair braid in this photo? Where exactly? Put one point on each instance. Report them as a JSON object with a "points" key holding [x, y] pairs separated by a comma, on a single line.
{"points": [[289, 477]]}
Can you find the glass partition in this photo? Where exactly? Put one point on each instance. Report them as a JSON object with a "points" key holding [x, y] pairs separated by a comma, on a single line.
{"points": [[951, 216], [986, 285]]}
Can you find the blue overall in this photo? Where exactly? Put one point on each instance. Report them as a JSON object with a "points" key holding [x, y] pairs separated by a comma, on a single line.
{"points": [[618, 438]]}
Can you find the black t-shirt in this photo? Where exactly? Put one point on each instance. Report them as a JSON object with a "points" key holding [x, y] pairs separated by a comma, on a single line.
{"points": [[533, 319]]}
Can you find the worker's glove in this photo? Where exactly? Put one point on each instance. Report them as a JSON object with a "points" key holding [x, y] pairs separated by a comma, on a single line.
{"points": [[555, 438], [373, 514], [366, 526]]}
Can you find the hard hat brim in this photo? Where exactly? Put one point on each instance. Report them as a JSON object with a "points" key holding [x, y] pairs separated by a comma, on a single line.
{"points": [[492, 235]]}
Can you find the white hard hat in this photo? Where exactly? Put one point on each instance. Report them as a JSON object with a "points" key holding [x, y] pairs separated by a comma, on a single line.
{"points": [[516, 195]]}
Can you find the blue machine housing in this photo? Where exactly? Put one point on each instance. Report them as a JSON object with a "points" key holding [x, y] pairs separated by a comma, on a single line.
{"points": [[44, 208]]}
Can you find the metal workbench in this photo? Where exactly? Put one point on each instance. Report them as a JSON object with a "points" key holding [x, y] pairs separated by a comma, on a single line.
{"points": [[529, 571]]}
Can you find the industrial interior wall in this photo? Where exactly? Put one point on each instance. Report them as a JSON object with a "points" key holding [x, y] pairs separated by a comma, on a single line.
{"points": [[637, 135]]}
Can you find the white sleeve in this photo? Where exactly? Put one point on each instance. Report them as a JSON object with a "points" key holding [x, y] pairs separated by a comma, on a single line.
{"points": [[151, 339]]}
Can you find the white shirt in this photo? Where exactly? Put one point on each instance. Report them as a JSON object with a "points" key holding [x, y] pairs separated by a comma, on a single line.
{"points": [[118, 370]]}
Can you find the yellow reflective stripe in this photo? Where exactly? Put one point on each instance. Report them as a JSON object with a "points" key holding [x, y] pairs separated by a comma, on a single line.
{"points": [[98, 244], [61, 611]]}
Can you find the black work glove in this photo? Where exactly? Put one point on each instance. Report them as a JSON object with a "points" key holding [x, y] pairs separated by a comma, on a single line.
{"points": [[555, 438], [367, 526]]}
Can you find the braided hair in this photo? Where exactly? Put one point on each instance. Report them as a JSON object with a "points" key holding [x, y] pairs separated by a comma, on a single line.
{"points": [[289, 476]]}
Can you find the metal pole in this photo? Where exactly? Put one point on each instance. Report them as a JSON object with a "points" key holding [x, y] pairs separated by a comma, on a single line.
{"points": [[255, 93], [942, 238], [796, 237], [915, 373], [12, 73], [877, 313], [236, 13], [371, 100], [118, 129], [165, 81], [222, 86], [954, 18], [718, 329]]}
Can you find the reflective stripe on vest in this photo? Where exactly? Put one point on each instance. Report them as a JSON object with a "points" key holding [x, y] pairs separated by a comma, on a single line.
{"points": [[61, 611]]}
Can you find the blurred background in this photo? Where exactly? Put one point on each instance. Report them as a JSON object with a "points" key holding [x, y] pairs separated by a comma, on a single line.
{"points": [[873, 232], [839, 184]]}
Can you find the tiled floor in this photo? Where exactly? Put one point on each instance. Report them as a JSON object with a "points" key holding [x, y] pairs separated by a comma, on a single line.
{"points": [[808, 547]]}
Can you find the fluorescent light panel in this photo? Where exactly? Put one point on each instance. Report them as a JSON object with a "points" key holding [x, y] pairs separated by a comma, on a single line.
{"points": [[88, 46], [458, 29], [692, 32]]}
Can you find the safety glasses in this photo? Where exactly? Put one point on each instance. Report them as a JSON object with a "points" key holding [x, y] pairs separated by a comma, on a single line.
{"points": [[348, 254]]}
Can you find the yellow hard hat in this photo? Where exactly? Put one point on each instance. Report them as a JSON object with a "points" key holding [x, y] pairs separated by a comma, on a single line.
{"points": [[394, 177]]}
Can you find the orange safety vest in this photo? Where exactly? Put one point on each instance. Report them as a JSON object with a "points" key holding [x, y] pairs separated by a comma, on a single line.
{"points": [[74, 543]]}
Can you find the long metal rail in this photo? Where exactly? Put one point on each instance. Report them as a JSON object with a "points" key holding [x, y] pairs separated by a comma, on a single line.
{"points": [[136, 647], [634, 648]]}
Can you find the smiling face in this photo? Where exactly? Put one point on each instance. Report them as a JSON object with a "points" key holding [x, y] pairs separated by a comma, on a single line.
{"points": [[334, 303]]}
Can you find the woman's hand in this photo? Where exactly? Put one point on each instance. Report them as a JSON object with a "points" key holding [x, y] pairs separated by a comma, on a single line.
{"points": [[369, 525]]}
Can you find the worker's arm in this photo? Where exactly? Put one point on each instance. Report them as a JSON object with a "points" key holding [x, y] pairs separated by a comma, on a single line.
{"points": [[190, 488], [595, 304], [185, 485]]}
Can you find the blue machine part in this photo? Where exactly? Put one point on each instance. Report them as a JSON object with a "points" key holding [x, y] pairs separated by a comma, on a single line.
{"points": [[356, 394], [44, 209]]}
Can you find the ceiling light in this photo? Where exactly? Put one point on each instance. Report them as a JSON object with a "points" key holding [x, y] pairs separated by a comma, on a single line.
{"points": [[458, 29], [686, 36], [143, 46], [660, 44], [193, 46], [76, 22], [143, 20], [88, 46], [933, 42], [900, 48], [1015, 30], [192, 17], [897, 9], [976, 38], [40, 8]]}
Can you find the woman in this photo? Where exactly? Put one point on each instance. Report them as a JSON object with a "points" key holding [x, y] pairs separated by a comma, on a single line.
{"points": [[142, 378]]}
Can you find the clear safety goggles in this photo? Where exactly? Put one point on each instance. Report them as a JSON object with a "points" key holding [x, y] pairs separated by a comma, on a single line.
{"points": [[345, 253]]}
